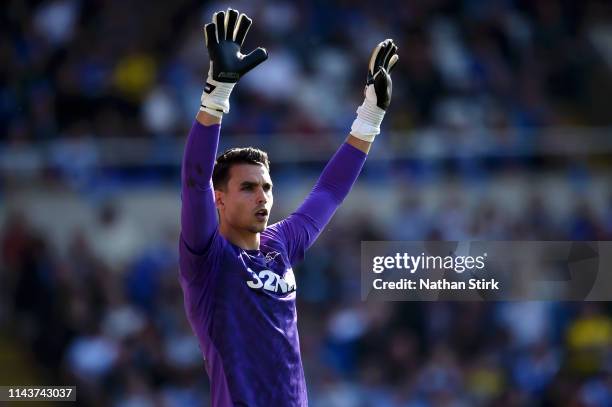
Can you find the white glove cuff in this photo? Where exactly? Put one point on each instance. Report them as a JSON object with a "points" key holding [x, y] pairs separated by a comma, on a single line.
{"points": [[215, 98], [367, 124], [212, 112]]}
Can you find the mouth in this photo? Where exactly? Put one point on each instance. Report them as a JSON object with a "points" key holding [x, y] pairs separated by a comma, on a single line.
{"points": [[262, 215]]}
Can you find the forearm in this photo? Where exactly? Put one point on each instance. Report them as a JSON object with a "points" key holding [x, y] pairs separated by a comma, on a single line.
{"points": [[333, 185], [206, 119], [198, 211], [359, 144]]}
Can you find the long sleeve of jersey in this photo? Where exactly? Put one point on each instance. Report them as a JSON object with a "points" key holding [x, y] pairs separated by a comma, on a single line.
{"points": [[198, 211], [302, 227]]}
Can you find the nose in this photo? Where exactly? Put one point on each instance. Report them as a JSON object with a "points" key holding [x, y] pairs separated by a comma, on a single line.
{"points": [[261, 197]]}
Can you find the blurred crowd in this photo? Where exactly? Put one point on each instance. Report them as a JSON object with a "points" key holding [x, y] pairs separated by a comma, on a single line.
{"points": [[106, 68], [106, 314]]}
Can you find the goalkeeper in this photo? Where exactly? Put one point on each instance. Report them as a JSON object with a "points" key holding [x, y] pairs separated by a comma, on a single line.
{"points": [[236, 275]]}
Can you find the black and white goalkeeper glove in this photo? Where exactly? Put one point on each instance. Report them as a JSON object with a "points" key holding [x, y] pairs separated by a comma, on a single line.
{"points": [[377, 92], [224, 39]]}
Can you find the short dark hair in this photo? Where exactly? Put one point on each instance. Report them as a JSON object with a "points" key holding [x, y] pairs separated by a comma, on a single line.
{"points": [[243, 155]]}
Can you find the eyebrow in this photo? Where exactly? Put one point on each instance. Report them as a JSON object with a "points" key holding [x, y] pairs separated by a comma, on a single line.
{"points": [[252, 184]]}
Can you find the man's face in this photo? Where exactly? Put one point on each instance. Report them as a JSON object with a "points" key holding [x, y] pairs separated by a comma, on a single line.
{"points": [[246, 201]]}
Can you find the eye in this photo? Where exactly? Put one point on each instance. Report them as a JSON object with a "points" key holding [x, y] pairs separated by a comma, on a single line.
{"points": [[267, 187], [247, 188]]}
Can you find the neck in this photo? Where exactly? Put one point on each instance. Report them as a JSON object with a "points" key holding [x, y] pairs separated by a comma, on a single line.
{"points": [[241, 238]]}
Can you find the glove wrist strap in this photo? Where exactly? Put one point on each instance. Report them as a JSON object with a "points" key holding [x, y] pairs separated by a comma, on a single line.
{"points": [[212, 112], [215, 98], [367, 123]]}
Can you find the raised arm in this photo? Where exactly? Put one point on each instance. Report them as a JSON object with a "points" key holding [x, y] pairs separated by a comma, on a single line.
{"points": [[198, 212], [224, 38], [301, 228]]}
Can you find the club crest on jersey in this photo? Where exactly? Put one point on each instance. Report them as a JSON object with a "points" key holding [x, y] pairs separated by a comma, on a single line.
{"points": [[271, 256], [272, 282]]}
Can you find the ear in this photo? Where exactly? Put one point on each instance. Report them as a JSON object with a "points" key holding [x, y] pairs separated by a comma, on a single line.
{"points": [[219, 199]]}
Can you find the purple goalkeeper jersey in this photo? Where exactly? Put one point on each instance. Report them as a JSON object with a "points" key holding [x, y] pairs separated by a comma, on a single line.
{"points": [[241, 303]]}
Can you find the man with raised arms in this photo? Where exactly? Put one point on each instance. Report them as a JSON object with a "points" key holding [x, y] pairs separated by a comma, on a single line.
{"points": [[236, 274]]}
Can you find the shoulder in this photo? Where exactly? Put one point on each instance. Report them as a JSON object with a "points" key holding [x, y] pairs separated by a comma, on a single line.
{"points": [[206, 267], [191, 260], [272, 232], [274, 236]]}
